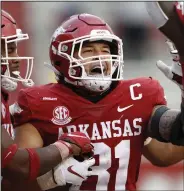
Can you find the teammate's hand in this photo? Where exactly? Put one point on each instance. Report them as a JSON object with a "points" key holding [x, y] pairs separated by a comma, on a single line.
{"points": [[80, 140], [173, 72], [73, 172]]}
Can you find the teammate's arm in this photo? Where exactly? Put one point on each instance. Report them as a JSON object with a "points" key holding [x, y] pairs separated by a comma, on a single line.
{"points": [[18, 167], [169, 19], [27, 164], [174, 28]]}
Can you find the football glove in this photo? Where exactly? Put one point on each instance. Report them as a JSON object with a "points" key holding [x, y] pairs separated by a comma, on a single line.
{"points": [[81, 140], [69, 171], [174, 72], [72, 171]]}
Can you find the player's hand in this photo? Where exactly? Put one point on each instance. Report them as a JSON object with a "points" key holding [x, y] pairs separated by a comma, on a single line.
{"points": [[80, 140], [73, 172], [173, 72]]}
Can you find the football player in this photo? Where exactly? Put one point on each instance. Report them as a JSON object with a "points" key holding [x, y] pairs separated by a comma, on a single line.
{"points": [[92, 97], [28, 164]]}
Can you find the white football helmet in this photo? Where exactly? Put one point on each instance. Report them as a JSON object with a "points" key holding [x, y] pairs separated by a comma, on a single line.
{"points": [[9, 34], [71, 36]]}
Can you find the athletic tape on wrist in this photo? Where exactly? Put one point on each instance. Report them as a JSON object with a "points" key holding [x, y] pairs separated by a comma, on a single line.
{"points": [[46, 181], [53, 176], [64, 149]]}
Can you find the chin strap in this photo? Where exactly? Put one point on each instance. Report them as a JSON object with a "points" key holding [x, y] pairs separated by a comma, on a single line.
{"points": [[51, 67], [8, 85], [90, 85], [28, 83], [75, 83], [25, 82]]}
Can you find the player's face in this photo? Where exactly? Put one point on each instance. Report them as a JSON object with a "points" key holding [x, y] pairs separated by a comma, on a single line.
{"points": [[90, 49], [14, 64]]}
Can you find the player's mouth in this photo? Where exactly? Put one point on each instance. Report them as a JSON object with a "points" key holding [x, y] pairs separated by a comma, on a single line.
{"points": [[15, 67], [97, 69]]}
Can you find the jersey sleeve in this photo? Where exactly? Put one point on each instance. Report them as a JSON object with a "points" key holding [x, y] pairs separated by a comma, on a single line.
{"points": [[27, 109], [21, 110]]}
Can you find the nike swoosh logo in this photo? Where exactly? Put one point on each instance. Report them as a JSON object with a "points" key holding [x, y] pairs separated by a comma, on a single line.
{"points": [[124, 108], [73, 172]]}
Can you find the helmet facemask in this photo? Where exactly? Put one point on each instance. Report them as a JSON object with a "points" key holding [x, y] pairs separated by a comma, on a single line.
{"points": [[103, 67], [11, 78]]}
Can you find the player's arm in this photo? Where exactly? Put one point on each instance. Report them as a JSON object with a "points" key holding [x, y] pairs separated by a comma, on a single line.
{"points": [[163, 154], [27, 164], [16, 163], [167, 125], [27, 136]]}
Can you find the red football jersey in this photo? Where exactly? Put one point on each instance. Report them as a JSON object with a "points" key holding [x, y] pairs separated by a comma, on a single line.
{"points": [[7, 124], [5, 115], [116, 125]]}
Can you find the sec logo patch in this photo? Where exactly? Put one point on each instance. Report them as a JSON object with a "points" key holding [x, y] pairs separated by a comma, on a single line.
{"points": [[61, 115]]}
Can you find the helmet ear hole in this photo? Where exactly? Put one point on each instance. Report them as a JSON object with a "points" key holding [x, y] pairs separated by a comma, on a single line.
{"points": [[76, 71]]}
